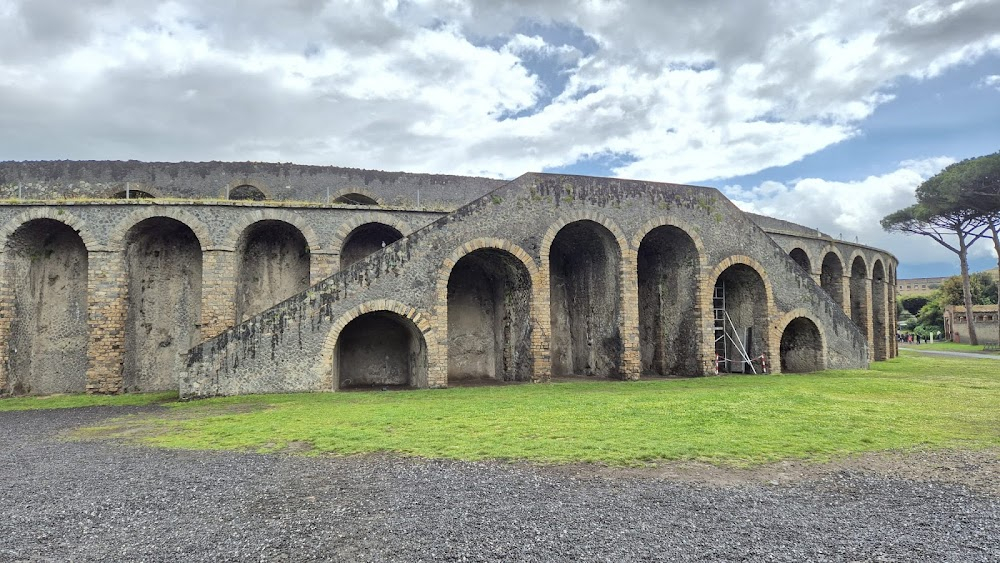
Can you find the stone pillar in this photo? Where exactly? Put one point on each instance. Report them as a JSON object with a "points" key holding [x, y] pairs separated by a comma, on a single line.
{"points": [[106, 309], [6, 318], [218, 292], [631, 359], [868, 320], [845, 295]]}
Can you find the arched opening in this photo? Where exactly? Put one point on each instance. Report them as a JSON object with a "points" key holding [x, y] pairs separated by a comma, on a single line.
{"points": [[831, 278], [246, 192], [132, 194], [668, 288], [880, 325], [380, 349], [163, 265], [355, 199], [273, 266], [801, 347], [584, 266], [46, 274], [489, 318], [802, 259], [365, 240], [859, 294], [739, 304]]}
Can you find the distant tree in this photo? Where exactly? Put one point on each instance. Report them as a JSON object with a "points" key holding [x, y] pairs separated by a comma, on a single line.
{"points": [[982, 286], [930, 317], [941, 219], [972, 184], [913, 304]]}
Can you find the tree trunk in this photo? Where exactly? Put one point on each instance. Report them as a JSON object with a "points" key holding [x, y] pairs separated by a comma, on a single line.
{"points": [[963, 258]]}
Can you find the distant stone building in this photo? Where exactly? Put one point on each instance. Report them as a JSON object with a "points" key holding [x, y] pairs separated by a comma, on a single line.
{"points": [[984, 320], [918, 286], [925, 286]]}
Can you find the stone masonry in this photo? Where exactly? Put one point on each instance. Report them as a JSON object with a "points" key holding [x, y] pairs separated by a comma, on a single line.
{"points": [[546, 275]]}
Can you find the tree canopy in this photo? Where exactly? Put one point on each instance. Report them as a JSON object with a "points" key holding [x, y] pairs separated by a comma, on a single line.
{"points": [[956, 207]]}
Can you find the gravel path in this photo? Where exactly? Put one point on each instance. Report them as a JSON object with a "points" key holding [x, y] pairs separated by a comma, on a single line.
{"points": [[101, 501], [952, 353]]}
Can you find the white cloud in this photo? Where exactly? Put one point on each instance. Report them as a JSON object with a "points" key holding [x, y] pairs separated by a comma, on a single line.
{"points": [[691, 91], [992, 81], [852, 210]]}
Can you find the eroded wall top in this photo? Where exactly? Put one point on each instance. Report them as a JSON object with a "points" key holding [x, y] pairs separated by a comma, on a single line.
{"points": [[62, 179]]}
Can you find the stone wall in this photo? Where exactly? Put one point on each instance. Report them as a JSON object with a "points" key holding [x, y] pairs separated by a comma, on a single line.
{"points": [[110, 296], [546, 276], [297, 345], [46, 180]]}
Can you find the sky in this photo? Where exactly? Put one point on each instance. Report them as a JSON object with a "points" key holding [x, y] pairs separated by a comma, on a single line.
{"points": [[827, 113]]}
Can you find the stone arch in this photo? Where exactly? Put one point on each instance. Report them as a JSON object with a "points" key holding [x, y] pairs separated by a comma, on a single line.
{"points": [[485, 292], [45, 277], [245, 186], [145, 191], [668, 268], [59, 215], [163, 271], [585, 260], [270, 214], [116, 238], [831, 277], [422, 342], [350, 229], [272, 264], [880, 311], [356, 196], [859, 293], [803, 343], [748, 298], [801, 257], [689, 229]]}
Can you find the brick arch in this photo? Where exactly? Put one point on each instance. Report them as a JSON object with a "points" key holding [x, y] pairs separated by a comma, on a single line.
{"points": [[116, 239], [849, 265], [224, 192], [565, 219], [836, 251], [357, 220], [782, 323], [323, 370], [708, 290], [64, 217], [628, 295], [804, 248], [269, 214], [534, 272], [367, 193], [476, 244], [684, 226], [876, 257], [709, 286]]}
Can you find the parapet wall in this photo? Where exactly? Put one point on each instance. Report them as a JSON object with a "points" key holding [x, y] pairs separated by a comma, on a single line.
{"points": [[45, 180]]}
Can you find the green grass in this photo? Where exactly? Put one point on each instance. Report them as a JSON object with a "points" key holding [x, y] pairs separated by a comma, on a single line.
{"points": [[75, 401], [912, 402]]}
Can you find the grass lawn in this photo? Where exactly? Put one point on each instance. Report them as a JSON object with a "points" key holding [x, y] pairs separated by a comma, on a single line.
{"points": [[911, 402]]}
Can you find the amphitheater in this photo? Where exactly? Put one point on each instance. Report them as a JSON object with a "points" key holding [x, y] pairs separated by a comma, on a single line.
{"points": [[232, 278]]}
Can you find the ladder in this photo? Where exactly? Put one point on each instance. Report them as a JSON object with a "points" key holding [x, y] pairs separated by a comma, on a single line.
{"points": [[726, 340]]}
